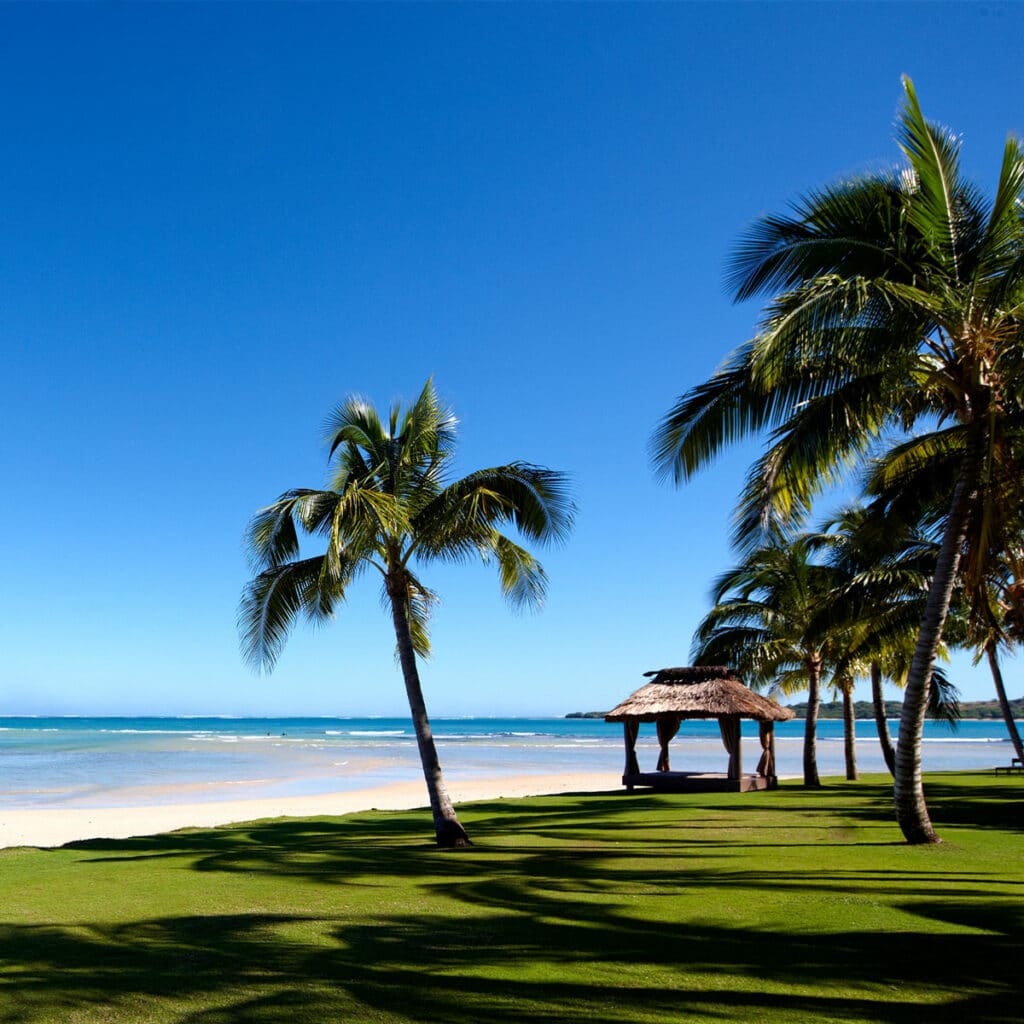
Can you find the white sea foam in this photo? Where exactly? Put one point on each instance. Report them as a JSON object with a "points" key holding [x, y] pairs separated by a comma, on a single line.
{"points": [[965, 739], [150, 732]]}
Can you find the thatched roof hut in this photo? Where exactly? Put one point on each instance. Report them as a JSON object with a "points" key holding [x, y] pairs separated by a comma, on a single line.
{"points": [[707, 691]]}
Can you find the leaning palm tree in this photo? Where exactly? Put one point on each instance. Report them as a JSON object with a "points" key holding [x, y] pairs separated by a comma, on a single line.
{"points": [[763, 622], [390, 507], [897, 301]]}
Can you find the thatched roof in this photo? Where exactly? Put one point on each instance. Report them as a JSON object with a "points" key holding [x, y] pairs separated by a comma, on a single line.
{"points": [[704, 692]]}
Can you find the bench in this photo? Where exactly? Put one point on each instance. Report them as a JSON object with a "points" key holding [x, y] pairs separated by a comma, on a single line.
{"points": [[1015, 765]]}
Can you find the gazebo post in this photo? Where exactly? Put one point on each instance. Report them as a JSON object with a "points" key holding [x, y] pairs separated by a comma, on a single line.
{"points": [[630, 731]]}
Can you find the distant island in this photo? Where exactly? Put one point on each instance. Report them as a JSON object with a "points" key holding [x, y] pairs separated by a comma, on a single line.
{"points": [[864, 709]]}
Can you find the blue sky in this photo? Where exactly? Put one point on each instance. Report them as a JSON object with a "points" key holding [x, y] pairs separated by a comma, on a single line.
{"points": [[219, 220]]}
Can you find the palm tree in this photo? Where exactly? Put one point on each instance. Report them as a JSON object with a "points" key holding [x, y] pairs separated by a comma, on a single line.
{"points": [[883, 567], [390, 506], [990, 650], [989, 594], [991, 628], [898, 300], [764, 623]]}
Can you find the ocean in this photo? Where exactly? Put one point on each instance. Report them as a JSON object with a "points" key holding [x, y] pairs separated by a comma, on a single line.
{"points": [[114, 762]]}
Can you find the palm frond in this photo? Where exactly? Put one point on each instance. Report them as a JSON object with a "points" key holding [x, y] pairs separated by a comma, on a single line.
{"points": [[421, 603], [537, 501], [846, 229], [273, 600], [944, 699], [708, 418], [815, 449], [271, 536], [356, 422], [944, 208], [523, 580]]}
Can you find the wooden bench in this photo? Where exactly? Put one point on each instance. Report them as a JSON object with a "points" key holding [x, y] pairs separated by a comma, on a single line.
{"points": [[1015, 765]]}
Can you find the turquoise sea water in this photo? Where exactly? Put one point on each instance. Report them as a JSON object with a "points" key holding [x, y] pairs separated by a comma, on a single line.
{"points": [[48, 762]]}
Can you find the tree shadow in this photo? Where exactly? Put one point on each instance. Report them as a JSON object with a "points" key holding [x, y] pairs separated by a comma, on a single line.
{"points": [[570, 909], [536, 964]]}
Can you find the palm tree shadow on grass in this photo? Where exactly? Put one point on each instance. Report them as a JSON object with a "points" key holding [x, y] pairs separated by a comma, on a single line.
{"points": [[596, 908], [532, 965], [977, 800], [390, 842]]}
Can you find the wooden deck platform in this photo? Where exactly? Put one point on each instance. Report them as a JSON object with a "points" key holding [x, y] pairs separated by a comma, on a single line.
{"points": [[697, 782]]}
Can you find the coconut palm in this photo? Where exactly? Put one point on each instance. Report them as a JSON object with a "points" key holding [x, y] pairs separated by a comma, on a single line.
{"points": [[990, 650], [390, 507], [990, 591], [883, 568], [764, 623], [897, 301], [992, 628]]}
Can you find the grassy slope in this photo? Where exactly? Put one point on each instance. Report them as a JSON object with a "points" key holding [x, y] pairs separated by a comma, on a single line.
{"points": [[790, 906]]}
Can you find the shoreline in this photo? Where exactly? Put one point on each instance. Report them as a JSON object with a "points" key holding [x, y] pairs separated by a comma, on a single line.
{"points": [[51, 827]]}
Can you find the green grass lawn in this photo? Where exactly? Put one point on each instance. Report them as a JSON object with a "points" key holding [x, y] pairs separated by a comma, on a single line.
{"points": [[762, 907]]}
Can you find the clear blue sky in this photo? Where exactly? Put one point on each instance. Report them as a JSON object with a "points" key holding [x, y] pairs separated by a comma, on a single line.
{"points": [[219, 220]]}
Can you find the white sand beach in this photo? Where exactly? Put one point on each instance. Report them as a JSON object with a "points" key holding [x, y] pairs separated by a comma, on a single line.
{"points": [[56, 826]]}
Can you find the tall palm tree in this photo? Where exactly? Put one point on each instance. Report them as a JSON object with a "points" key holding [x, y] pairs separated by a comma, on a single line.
{"points": [[391, 506], [897, 300], [764, 623]]}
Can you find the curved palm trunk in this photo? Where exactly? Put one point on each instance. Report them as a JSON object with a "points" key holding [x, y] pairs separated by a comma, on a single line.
{"points": [[447, 829], [911, 809], [881, 722], [849, 732], [997, 679], [811, 723]]}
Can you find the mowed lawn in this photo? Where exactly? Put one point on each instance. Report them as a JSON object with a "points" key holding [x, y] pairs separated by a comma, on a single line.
{"points": [[788, 906]]}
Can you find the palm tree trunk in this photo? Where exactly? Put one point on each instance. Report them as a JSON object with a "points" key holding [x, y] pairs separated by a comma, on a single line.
{"points": [[997, 678], [881, 722], [908, 789], [811, 723], [447, 829], [849, 732]]}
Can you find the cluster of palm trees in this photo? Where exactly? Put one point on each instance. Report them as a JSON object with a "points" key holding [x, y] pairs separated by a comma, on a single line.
{"points": [[812, 611], [891, 346]]}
